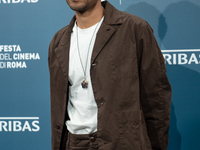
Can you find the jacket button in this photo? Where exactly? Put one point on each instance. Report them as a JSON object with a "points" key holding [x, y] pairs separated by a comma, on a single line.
{"points": [[92, 139], [94, 64], [58, 126]]}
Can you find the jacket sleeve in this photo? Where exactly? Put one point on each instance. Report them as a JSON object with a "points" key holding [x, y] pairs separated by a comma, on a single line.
{"points": [[155, 89]]}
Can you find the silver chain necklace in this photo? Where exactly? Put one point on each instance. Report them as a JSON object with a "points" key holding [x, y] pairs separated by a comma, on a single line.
{"points": [[85, 82]]}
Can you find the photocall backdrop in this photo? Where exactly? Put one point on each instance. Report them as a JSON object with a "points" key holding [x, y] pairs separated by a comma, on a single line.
{"points": [[26, 29]]}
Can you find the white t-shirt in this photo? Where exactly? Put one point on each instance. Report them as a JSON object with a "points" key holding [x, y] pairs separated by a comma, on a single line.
{"points": [[82, 108]]}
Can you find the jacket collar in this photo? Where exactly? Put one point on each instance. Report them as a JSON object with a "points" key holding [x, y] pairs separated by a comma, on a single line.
{"points": [[112, 17]]}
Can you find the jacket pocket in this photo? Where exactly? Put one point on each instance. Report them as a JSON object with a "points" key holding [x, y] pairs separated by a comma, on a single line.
{"points": [[129, 131]]}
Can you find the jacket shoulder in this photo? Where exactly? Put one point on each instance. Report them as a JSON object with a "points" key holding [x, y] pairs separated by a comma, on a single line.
{"points": [[57, 37], [133, 20], [135, 24]]}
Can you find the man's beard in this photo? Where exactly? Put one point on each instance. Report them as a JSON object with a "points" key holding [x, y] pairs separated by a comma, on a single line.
{"points": [[86, 6]]}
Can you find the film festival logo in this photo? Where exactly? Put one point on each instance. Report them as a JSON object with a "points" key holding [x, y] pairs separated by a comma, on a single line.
{"points": [[182, 57], [17, 1], [19, 124], [11, 56]]}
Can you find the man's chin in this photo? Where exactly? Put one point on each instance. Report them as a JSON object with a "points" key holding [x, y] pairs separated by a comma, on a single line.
{"points": [[78, 9]]}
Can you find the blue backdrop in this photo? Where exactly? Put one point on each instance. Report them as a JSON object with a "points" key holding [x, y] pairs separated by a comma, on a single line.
{"points": [[26, 28]]}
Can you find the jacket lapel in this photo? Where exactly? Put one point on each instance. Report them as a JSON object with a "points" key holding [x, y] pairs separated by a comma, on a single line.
{"points": [[103, 35], [106, 30], [62, 51]]}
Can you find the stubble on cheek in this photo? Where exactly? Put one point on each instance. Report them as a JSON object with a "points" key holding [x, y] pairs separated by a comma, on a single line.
{"points": [[77, 5]]}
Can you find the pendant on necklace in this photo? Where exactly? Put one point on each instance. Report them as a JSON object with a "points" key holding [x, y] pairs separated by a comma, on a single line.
{"points": [[84, 84]]}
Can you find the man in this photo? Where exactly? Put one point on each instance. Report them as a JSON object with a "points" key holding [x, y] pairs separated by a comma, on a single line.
{"points": [[109, 89]]}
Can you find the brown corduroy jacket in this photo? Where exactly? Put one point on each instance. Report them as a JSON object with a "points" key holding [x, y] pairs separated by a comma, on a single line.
{"points": [[129, 82]]}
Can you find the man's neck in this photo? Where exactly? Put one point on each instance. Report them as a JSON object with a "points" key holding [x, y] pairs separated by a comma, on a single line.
{"points": [[89, 18]]}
